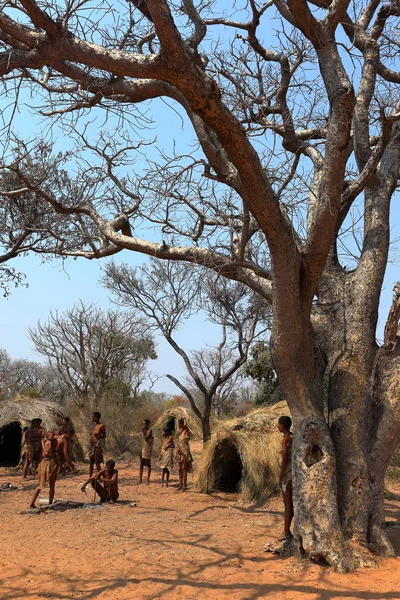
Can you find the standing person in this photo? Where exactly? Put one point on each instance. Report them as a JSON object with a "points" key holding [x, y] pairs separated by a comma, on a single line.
{"points": [[285, 477], [48, 468], [108, 492], [64, 436], [146, 452], [167, 455], [183, 455], [32, 443], [96, 443]]}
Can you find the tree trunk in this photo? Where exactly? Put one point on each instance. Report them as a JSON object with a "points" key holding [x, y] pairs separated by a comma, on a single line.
{"points": [[205, 426], [340, 454]]}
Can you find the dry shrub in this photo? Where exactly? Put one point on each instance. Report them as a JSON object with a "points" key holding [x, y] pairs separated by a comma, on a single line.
{"points": [[244, 456], [123, 423]]}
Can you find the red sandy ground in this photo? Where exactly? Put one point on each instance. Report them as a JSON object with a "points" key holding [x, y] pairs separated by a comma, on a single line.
{"points": [[173, 545]]}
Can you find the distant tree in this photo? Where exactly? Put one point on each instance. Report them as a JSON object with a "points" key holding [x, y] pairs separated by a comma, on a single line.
{"points": [[89, 349], [259, 368], [168, 294], [28, 377]]}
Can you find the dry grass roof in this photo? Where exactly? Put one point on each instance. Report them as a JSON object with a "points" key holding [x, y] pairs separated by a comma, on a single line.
{"points": [[251, 447], [181, 412], [23, 409]]}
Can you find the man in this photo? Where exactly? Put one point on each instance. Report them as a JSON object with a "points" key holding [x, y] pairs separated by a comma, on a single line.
{"points": [[285, 476], [32, 443], [108, 492], [96, 443], [64, 436], [147, 449], [48, 468]]}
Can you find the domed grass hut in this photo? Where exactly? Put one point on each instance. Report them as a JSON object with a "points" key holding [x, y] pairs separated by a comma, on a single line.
{"points": [[243, 456], [16, 415], [171, 417]]}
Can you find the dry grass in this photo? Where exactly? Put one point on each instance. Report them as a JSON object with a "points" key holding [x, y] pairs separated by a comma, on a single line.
{"points": [[257, 442], [181, 412]]}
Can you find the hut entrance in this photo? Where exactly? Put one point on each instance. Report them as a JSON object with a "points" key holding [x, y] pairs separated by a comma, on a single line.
{"points": [[228, 467], [10, 444]]}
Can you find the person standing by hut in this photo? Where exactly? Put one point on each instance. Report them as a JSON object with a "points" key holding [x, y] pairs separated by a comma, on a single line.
{"points": [[147, 450], [96, 444], [64, 436], [183, 454], [285, 477], [167, 455], [48, 468], [33, 450]]}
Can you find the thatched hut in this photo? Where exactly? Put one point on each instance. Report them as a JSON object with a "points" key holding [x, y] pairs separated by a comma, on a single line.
{"points": [[171, 417], [243, 456], [15, 415]]}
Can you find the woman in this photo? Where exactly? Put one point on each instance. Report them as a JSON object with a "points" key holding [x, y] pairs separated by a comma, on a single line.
{"points": [[167, 455], [183, 455], [285, 477]]}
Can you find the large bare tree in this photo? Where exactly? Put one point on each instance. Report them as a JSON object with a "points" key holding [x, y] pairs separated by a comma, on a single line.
{"points": [[298, 141], [168, 294]]}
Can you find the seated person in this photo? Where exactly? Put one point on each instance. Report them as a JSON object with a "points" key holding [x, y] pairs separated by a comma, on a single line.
{"points": [[109, 490]]}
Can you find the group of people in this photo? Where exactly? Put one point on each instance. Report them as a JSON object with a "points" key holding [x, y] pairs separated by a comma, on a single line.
{"points": [[168, 454], [32, 454], [48, 454]]}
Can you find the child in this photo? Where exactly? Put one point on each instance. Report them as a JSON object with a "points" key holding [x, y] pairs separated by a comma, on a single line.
{"points": [[48, 468], [109, 490], [285, 477], [167, 455]]}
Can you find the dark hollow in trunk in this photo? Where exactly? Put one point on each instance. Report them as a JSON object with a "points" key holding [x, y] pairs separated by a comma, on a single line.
{"points": [[228, 467], [10, 444]]}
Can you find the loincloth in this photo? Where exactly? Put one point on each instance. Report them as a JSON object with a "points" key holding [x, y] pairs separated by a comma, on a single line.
{"points": [[34, 449], [99, 446], [167, 459], [147, 450], [185, 457], [286, 480], [46, 470]]}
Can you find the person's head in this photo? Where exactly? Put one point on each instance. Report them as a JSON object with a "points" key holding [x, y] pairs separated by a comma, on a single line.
{"points": [[110, 464], [66, 420], [146, 423], [50, 436], [36, 423], [181, 423], [284, 423], [166, 432], [96, 416]]}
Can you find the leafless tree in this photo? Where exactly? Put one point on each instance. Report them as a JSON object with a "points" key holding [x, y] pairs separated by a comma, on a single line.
{"points": [[168, 294], [21, 376], [89, 348], [297, 142]]}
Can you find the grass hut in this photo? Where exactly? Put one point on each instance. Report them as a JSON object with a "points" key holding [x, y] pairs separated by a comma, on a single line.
{"points": [[171, 417], [243, 456], [15, 415]]}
